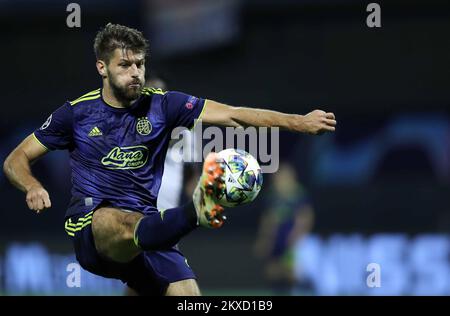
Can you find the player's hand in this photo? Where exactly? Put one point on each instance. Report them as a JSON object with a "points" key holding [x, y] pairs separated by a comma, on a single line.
{"points": [[317, 122], [38, 199]]}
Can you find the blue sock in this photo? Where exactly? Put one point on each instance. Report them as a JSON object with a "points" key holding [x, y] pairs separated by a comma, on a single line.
{"points": [[164, 230]]}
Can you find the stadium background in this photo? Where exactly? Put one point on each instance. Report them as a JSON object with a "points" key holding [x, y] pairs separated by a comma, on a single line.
{"points": [[379, 185]]}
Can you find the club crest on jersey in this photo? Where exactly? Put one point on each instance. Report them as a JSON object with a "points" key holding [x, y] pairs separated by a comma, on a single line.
{"points": [[143, 126], [132, 157]]}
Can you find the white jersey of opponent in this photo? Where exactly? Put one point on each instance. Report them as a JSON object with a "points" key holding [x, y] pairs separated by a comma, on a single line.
{"points": [[171, 183], [172, 180]]}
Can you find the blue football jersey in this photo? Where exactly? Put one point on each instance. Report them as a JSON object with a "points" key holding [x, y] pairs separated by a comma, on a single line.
{"points": [[117, 154]]}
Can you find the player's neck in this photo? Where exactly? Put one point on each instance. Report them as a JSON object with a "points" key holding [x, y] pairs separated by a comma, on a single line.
{"points": [[112, 100]]}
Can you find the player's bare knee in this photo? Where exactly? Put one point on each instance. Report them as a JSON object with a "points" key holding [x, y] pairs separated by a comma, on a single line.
{"points": [[129, 222], [113, 232], [188, 287]]}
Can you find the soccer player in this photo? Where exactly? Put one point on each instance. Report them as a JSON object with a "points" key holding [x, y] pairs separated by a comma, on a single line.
{"points": [[288, 218], [117, 137]]}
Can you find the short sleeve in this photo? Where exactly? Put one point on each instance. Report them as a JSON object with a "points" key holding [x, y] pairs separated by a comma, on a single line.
{"points": [[182, 109], [57, 130]]}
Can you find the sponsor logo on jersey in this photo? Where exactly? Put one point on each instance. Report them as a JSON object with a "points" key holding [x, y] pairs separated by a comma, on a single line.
{"points": [[132, 157]]}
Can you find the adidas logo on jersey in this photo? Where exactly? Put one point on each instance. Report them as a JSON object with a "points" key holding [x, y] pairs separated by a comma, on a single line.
{"points": [[95, 132]]}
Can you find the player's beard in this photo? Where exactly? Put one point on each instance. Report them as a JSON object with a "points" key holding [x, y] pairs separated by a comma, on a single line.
{"points": [[125, 93]]}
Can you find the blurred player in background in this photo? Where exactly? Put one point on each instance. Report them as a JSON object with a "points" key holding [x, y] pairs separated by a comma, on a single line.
{"points": [[118, 137], [288, 218]]}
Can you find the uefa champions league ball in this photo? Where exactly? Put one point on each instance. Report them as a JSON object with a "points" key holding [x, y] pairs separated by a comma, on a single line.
{"points": [[243, 178]]}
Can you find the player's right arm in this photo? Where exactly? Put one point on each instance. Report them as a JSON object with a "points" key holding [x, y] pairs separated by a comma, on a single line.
{"points": [[17, 168], [55, 133]]}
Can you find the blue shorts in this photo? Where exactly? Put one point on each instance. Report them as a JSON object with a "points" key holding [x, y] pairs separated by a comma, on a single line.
{"points": [[150, 273]]}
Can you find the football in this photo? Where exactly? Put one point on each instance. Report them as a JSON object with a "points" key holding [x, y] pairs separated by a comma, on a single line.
{"points": [[243, 178]]}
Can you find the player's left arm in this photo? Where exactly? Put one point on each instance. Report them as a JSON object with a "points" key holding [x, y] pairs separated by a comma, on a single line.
{"points": [[315, 122]]}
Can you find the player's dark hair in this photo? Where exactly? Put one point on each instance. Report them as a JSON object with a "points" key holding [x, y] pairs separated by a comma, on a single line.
{"points": [[114, 36]]}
